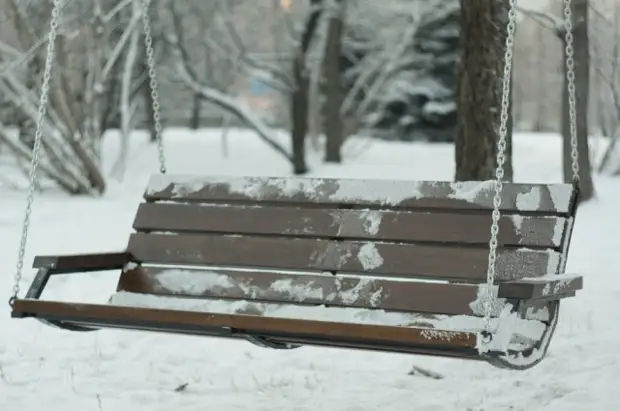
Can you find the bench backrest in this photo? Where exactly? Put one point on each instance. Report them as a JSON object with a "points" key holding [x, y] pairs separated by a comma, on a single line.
{"points": [[376, 228]]}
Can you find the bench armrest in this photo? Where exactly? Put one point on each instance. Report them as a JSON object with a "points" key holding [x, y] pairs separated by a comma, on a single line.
{"points": [[73, 264], [59, 264], [548, 287]]}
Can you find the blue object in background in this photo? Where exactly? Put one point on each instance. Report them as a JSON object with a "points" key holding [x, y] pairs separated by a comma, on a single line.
{"points": [[258, 87]]}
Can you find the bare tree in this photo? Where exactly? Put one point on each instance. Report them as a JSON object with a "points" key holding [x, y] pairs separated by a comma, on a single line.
{"points": [[87, 53], [479, 93], [189, 77], [392, 27], [606, 63], [301, 94], [127, 109], [334, 93], [579, 9], [216, 49]]}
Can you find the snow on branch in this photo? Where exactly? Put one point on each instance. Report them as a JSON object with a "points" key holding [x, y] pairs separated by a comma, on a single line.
{"points": [[546, 20], [271, 75], [189, 77], [93, 37]]}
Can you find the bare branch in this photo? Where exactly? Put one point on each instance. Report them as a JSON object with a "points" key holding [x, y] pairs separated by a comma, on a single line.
{"points": [[120, 45], [24, 153], [188, 75], [546, 20], [274, 77], [125, 103]]}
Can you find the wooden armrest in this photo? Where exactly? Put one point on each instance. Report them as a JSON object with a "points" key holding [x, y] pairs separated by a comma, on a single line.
{"points": [[542, 287], [83, 262], [72, 264]]}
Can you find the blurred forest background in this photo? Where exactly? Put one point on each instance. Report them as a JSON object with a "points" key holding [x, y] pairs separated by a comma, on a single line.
{"points": [[323, 70]]}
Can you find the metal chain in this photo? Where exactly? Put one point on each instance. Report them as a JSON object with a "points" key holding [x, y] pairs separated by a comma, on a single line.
{"points": [[38, 137], [501, 159], [572, 94], [153, 84]]}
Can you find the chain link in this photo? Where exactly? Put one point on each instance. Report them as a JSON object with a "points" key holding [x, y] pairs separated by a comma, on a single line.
{"points": [[153, 84], [501, 159], [38, 137], [572, 97]]}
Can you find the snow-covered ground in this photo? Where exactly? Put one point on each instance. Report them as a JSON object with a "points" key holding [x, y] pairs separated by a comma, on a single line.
{"points": [[45, 368]]}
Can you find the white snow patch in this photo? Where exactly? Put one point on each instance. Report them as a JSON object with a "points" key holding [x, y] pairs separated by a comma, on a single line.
{"points": [[376, 297], [192, 282], [182, 183], [531, 200], [372, 221], [299, 291], [369, 257], [503, 331], [561, 195], [287, 186], [185, 282], [130, 266], [558, 231], [483, 293], [553, 261], [517, 222], [353, 294], [438, 335], [388, 192], [470, 190]]}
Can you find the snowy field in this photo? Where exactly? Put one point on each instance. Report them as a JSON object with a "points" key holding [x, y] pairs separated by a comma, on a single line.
{"points": [[47, 369]]}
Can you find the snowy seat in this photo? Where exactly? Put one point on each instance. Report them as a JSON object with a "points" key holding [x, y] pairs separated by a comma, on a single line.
{"points": [[384, 265]]}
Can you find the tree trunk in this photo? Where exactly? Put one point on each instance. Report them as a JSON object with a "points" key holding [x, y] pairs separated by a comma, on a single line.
{"points": [[194, 121], [334, 93], [582, 87], [299, 118], [540, 116], [483, 32], [299, 98]]}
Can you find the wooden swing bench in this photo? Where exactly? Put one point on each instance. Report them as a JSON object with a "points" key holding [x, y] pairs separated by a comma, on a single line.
{"points": [[394, 266]]}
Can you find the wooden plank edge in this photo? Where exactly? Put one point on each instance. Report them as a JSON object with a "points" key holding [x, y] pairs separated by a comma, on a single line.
{"points": [[388, 193], [247, 323]]}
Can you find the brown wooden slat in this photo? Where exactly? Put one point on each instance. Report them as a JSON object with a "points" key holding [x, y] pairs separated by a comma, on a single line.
{"points": [[359, 292], [541, 287], [295, 311], [538, 231], [548, 198], [351, 256], [251, 324]]}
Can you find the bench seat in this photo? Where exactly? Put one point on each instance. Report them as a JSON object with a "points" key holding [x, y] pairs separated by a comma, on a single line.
{"points": [[384, 265]]}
